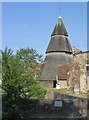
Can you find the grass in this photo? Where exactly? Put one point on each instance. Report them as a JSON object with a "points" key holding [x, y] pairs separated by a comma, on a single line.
{"points": [[66, 92]]}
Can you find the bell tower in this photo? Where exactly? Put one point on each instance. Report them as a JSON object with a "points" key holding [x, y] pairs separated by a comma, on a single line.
{"points": [[59, 52]]}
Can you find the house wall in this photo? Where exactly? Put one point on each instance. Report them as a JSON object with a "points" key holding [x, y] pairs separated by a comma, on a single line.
{"points": [[62, 75], [46, 83], [63, 84], [77, 74], [49, 84], [88, 83], [82, 58]]}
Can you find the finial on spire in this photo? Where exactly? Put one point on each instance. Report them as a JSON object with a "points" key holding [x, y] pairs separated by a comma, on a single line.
{"points": [[59, 16]]}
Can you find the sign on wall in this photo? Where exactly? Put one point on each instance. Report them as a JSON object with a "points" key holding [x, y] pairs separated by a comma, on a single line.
{"points": [[58, 103]]}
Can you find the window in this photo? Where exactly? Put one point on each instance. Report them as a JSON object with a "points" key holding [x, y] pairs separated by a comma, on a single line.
{"points": [[87, 67]]}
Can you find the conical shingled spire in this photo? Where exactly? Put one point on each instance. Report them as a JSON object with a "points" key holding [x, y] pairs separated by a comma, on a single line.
{"points": [[59, 39], [59, 52], [59, 28]]}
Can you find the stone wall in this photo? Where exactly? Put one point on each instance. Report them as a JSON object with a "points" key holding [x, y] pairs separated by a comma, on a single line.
{"points": [[62, 75], [47, 84], [82, 58], [72, 76], [63, 84], [0, 79], [77, 74]]}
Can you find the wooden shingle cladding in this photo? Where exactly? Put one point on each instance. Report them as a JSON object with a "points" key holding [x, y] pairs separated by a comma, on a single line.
{"points": [[51, 64], [59, 43], [59, 52], [59, 28]]}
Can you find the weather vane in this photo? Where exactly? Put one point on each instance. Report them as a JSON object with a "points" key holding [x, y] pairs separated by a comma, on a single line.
{"points": [[59, 11]]}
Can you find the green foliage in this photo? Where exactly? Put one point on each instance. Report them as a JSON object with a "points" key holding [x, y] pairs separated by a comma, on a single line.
{"points": [[18, 79], [37, 91]]}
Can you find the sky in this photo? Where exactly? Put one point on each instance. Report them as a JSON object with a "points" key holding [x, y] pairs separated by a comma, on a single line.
{"points": [[88, 26], [31, 24], [0, 25]]}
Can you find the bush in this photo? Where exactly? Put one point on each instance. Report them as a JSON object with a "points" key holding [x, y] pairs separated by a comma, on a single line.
{"points": [[18, 81]]}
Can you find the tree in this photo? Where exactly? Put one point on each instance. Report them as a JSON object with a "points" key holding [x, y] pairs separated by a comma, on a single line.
{"points": [[28, 58], [18, 78]]}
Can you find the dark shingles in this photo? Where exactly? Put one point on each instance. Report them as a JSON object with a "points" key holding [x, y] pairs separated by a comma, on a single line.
{"points": [[59, 28], [59, 44]]}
